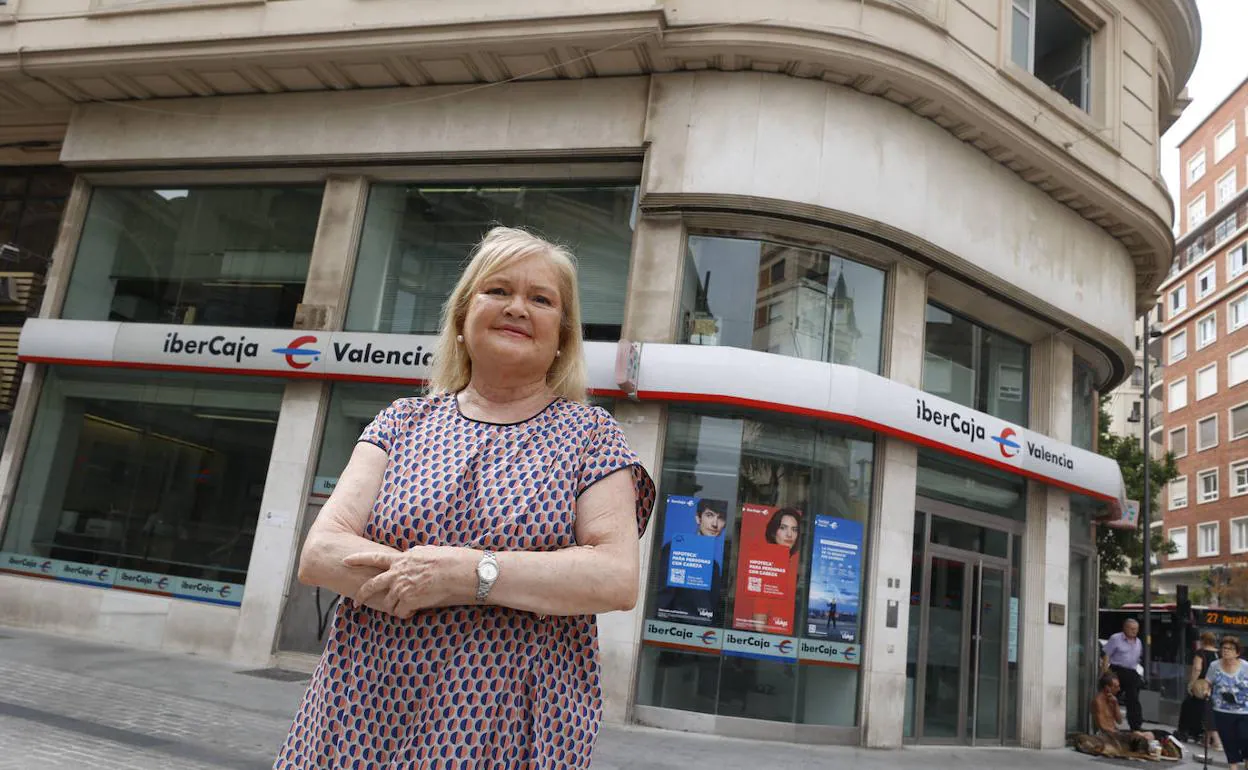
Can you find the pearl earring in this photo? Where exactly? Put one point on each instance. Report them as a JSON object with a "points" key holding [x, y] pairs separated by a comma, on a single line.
{"points": [[459, 338], [558, 353]]}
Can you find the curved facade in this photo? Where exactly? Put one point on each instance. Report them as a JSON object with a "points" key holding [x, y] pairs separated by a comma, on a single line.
{"points": [[855, 270]]}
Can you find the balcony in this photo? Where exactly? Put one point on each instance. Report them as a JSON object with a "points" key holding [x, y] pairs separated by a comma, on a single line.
{"points": [[1155, 420]]}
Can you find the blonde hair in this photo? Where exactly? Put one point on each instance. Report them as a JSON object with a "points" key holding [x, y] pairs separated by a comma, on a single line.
{"points": [[501, 247], [1201, 688]]}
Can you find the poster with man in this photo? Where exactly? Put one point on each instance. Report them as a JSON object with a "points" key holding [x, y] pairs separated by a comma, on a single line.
{"points": [[835, 580], [692, 560], [767, 569]]}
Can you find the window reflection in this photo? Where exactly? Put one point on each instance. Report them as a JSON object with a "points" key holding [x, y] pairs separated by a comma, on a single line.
{"points": [[747, 466], [975, 366], [416, 240], [156, 473], [216, 256], [782, 299]]}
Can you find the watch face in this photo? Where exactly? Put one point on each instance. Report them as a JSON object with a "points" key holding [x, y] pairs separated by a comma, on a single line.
{"points": [[487, 571]]}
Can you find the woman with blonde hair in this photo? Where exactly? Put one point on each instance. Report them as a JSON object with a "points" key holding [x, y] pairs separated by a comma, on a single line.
{"points": [[474, 535]]}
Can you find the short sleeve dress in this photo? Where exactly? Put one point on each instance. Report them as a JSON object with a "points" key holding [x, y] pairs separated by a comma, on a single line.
{"points": [[471, 686]]}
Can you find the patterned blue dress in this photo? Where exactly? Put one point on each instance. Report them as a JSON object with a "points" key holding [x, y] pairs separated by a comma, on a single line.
{"points": [[473, 686]]}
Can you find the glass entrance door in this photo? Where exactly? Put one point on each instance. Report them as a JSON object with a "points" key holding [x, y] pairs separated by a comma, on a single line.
{"points": [[963, 640]]}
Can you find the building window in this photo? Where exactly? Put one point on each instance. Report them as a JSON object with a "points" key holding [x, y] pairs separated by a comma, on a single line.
{"points": [[1051, 43], [216, 256], [1225, 227], [1196, 212], [823, 307], [1178, 346], [1206, 381], [1195, 167], [416, 239], [1206, 281], [1237, 368], [148, 473], [1206, 331], [1239, 535], [1207, 539], [1224, 142], [1134, 416], [1178, 537], [1239, 478], [1237, 260], [1178, 441], [1239, 422], [1207, 433], [1178, 395], [1178, 493], [31, 202], [1236, 313], [1084, 406], [1207, 485], [754, 470], [1178, 300], [975, 366], [1137, 376], [1227, 187]]}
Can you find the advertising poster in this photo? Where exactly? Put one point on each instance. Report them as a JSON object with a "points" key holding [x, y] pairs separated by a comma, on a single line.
{"points": [[835, 572], [771, 539], [692, 560]]}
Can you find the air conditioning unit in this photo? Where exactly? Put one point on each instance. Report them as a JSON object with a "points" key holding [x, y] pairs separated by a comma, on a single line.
{"points": [[9, 290]]}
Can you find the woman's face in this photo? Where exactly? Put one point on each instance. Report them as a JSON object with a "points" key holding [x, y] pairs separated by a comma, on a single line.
{"points": [[786, 535], [514, 318], [1229, 652]]}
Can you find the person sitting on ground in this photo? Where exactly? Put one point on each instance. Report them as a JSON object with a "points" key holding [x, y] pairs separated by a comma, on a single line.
{"points": [[1105, 718]]}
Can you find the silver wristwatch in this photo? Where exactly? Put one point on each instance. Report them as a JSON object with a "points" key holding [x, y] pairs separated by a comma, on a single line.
{"points": [[487, 574]]}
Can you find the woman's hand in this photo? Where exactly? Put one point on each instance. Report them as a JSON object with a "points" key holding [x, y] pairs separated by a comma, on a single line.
{"points": [[425, 576]]}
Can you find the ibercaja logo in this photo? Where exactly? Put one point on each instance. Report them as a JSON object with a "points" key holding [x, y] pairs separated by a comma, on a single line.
{"points": [[298, 356]]}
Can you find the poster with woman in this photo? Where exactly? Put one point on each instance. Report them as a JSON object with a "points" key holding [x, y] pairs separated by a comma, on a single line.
{"points": [[692, 560], [767, 569]]}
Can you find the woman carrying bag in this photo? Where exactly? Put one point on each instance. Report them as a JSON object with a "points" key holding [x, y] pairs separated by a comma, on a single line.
{"points": [[1192, 713]]}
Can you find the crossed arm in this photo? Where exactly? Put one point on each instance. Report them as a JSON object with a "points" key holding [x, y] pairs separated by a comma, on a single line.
{"points": [[599, 574]]}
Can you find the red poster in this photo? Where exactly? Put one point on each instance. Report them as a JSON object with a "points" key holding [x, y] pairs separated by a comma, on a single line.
{"points": [[767, 569]]}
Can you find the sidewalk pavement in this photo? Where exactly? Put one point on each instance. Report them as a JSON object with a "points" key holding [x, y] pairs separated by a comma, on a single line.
{"points": [[72, 704]]}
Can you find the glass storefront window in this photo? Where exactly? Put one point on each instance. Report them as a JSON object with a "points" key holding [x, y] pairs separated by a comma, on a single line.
{"points": [[155, 474], [781, 299], [752, 605], [975, 366], [962, 482], [212, 256], [416, 240], [1083, 413]]}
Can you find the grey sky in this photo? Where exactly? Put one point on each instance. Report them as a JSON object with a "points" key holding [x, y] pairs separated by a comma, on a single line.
{"points": [[1222, 66]]}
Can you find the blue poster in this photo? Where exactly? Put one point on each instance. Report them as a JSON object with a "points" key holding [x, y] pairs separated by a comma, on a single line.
{"points": [[835, 580], [692, 559]]}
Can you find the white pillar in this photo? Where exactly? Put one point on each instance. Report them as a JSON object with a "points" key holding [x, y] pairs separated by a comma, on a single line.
{"points": [[1046, 559], [891, 529], [296, 439], [650, 312]]}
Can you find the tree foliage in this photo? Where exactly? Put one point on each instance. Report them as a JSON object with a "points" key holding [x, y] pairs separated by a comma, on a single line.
{"points": [[1123, 549], [1227, 587]]}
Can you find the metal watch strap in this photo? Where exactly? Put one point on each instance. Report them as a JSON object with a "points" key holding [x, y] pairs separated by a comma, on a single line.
{"points": [[483, 586]]}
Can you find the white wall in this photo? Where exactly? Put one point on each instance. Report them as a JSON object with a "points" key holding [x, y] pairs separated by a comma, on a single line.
{"points": [[813, 149]]}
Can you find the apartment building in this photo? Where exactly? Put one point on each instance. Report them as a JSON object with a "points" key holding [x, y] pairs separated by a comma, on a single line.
{"points": [[1202, 383]]}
